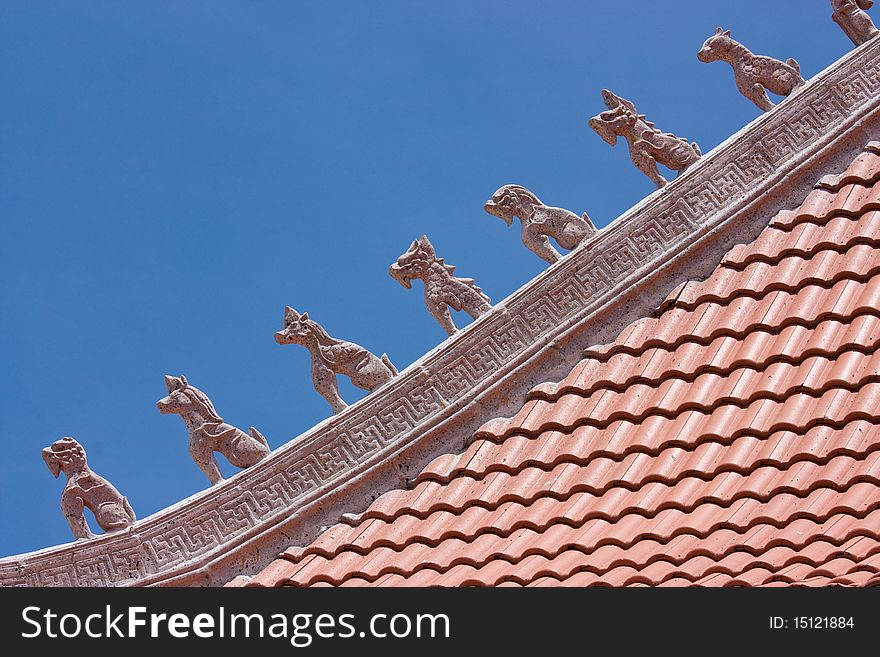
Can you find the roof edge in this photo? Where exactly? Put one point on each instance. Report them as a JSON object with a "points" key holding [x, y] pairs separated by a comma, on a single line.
{"points": [[486, 369]]}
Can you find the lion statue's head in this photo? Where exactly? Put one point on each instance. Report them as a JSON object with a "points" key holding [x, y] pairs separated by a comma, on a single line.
{"points": [[414, 263], [620, 118], [511, 201], [66, 451], [183, 397], [716, 46], [298, 328], [865, 5]]}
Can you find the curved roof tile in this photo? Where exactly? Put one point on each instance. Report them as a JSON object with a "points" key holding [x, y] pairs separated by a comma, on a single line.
{"points": [[733, 439]]}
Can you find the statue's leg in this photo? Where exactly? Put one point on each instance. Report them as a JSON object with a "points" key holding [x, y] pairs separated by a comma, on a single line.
{"points": [[204, 458], [440, 312], [858, 25], [643, 159], [761, 98], [256, 448], [477, 307], [112, 516], [756, 93], [327, 386], [244, 450], [538, 243], [72, 506], [573, 234]]}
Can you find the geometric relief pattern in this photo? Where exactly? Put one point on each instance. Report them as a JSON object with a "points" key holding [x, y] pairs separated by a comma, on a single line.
{"points": [[711, 192]]}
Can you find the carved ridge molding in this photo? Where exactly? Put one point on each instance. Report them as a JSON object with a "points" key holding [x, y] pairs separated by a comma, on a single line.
{"points": [[190, 534]]}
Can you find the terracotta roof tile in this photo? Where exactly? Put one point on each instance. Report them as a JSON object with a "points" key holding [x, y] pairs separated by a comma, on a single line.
{"points": [[733, 439]]}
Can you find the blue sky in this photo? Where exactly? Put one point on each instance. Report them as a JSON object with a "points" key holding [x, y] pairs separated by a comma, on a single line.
{"points": [[172, 174]]}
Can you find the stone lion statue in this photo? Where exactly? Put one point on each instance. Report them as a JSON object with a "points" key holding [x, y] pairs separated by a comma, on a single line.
{"points": [[85, 489], [208, 433], [539, 222]]}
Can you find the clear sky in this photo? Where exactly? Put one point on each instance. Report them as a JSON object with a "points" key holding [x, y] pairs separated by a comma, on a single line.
{"points": [[172, 174]]}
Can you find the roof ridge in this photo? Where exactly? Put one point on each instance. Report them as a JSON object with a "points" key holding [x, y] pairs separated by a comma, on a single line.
{"points": [[664, 465], [609, 279]]}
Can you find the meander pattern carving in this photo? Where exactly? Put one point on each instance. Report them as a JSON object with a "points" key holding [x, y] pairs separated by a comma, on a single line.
{"points": [[295, 471]]}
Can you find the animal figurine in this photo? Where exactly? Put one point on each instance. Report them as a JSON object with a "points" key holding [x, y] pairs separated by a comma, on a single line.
{"points": [[208, 433], [851, 16], [647, 145], [85, 489], [754, 74], [443, 290], [331, 357], [539, 221]]}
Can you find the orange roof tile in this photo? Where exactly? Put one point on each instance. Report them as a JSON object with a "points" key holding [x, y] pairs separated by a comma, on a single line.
{"points": [[732, 439]]}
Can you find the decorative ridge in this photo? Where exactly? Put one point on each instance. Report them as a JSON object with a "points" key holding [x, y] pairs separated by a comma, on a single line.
{"points": [[356, 449]]}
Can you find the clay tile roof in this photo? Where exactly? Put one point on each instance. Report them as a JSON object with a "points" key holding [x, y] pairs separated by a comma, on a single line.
{"points": [[732, 439]]}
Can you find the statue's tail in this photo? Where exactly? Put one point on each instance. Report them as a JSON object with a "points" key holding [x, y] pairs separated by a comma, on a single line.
{"points": [[389, 364], [471, 283], [260, 437], [589, 222], [127, 506]]}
